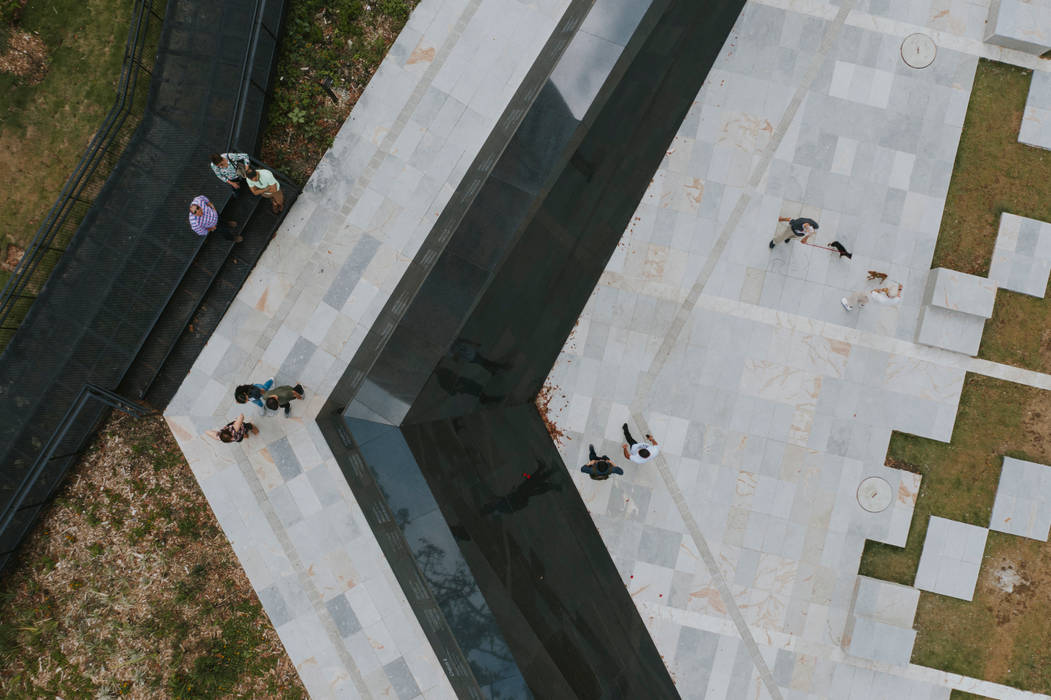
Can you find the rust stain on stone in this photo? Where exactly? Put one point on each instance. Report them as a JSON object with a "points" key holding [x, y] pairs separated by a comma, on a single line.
{"points": [[421, 55], [261, 304], [711, 595], [695, 191]]}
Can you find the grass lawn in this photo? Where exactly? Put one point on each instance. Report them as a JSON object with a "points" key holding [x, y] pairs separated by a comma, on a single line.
{"points": [[128, 587], [45, 128], [342, 41], [1001, 635], [994, 173]]}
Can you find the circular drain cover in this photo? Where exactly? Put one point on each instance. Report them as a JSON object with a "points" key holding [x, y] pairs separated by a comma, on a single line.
{"points": [[874, 494], [918, 50]]}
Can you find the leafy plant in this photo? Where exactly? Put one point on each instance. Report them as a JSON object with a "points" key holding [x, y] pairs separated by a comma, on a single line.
{"points": [[297, 116]]}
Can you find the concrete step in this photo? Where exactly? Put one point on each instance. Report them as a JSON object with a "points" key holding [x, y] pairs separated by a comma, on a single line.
{"points": [[958, 291], [950, 330], [879, 625]]}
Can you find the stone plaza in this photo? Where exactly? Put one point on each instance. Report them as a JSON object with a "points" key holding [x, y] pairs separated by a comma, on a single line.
{"points": [[740, 543]]}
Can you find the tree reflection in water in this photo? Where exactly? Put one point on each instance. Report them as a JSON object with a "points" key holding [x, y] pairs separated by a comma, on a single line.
{"points": [[469, 617]]}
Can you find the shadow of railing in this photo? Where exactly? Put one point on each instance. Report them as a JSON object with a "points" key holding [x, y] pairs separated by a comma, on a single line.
{"points": [[117, 245], [89, 175]]}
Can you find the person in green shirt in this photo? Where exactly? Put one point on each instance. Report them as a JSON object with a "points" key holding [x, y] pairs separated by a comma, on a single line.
{"points": [[263, 183], [282, 397]]}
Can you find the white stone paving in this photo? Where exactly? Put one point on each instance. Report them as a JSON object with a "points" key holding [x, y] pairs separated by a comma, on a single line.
{"points": [[1036, 120], [772, 403], [1024, 25], [1022, 256], [741, 543], [1023, 500], [951, 558], [280, 497]]}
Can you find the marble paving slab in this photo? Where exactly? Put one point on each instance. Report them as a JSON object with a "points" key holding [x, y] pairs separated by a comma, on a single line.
{"points": [[280, 497], [1036, 119], [769, 402], [767, 417], [1023, 500], [951, 558], [1022, 256]]}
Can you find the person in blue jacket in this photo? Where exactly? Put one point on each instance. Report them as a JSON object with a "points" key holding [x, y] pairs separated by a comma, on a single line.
{"points": [[600, 468]]}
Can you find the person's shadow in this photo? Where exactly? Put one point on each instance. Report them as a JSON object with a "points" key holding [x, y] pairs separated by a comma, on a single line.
{"points": [[536, 484]]}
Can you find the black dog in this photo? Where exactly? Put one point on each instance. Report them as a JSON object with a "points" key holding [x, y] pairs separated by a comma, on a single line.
{"points": [[841, 249]]}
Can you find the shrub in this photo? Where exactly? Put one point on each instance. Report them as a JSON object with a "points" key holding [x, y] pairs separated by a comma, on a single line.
{"points": [[395, 9]]}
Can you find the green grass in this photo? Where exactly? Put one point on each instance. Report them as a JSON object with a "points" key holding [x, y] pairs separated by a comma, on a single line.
{"points": [[999, 636], [994, 173], [342, 41], [959, 477], [988, 637], [45, 128]]}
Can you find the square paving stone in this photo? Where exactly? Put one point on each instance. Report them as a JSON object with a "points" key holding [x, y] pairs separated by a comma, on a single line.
{"points": [[951, 558], [1023, 500]]}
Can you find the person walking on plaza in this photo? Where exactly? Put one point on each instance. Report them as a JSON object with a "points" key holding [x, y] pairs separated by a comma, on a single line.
{"points": [[234, 431], [797, 228], [204, 219], [599, 468], [253, 393], [282, 397], [230, 167], [889, 294], [263, 183], [639, 452]]}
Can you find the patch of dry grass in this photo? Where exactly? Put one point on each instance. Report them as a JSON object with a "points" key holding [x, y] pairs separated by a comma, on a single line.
{"points": [[48, 118], [339, 41], [994, 173], [128, 586], [1001, 636]]}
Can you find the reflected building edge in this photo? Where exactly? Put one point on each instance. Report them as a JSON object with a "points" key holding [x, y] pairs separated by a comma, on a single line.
{"points": [[437, 432]]}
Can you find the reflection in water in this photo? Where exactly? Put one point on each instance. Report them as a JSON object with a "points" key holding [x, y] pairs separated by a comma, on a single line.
{"points": [[463, 605], [454, 383], [468, 351], [535, 484]]}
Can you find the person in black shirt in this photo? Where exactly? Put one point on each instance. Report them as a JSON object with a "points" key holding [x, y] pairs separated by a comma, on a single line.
{"points": [[599, 468], [801, 227]]}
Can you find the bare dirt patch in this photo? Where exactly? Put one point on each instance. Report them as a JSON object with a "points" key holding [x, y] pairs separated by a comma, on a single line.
{"points": [[895, 463], [1015, 586], [1006, 577], [25, 57], [12, 257]]}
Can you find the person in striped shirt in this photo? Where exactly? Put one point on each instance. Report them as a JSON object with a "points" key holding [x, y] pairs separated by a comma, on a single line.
{"points": [[204, 219], [228, 167]]}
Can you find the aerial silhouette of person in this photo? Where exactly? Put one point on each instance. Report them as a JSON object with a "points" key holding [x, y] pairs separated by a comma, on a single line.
{"points": [[535, 484]]}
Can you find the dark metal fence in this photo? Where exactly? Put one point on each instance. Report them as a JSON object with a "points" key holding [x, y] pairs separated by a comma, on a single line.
{"points": [[93, 404], [116, 271], [84, 185]]}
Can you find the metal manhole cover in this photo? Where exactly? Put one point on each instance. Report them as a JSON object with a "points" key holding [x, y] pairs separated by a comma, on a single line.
{"points": [[875, 494], [918, 50]]}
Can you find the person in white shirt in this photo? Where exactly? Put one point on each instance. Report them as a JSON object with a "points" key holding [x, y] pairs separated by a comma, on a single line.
{"points": [[263, 183], [889, 294], [639, 452]]}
